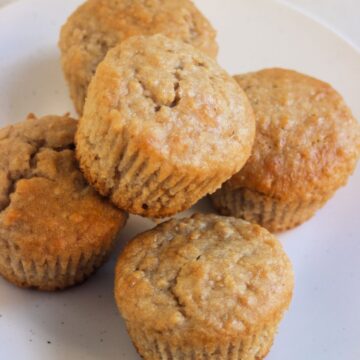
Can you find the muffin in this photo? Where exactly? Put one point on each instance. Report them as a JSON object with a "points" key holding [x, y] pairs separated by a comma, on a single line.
{"points": [[205, 287], [55, 230], [98, 25], [306, 146], [163, 126]]}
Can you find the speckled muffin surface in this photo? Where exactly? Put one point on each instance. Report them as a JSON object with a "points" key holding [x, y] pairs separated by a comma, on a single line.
{"points": [[306, 146], [55, 230], [203, 287], [98, 25], [163, 125]]}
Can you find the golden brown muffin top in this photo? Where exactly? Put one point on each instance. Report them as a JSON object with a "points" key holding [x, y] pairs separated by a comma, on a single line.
{"points": [[307, 141], [203, 277], [46, 206], [173, 102], [98, 25]]}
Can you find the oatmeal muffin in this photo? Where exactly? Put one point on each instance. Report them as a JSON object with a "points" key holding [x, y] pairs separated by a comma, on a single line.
{"points": [[55, 230], [306, 146], [98, 25], [205, 287], [163, 126]]}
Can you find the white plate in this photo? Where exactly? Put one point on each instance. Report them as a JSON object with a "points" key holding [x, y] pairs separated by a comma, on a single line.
{"points": [[323, 322]]}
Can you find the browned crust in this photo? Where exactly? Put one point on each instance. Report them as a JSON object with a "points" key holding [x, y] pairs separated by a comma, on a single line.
{"points": [[149, 139], [55, 230], [98, 25], [307, 142], [162, 272]]}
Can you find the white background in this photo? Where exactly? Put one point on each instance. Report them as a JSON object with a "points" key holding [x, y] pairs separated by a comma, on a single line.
{"points": [[83, 323], [343, 16]]}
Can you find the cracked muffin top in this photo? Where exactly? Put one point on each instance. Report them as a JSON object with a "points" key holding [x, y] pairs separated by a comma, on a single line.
{"points": [[307, 141], [98, 25], [44, 199], [170, 101], [203, 277]]}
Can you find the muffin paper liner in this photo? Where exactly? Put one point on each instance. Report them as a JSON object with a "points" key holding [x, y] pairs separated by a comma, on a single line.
{"points": [[50, 273], [255, 346], [273, 214], [140, 184]]}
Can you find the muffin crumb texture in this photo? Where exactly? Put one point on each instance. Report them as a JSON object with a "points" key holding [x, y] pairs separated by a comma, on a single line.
{"points": [[307, 141], [204, 286], [99, 25], [54, 229], [159, 120], [306, 146]]}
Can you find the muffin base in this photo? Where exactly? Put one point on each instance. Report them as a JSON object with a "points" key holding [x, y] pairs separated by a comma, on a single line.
{"points": [[139, 184], [55, 273], [273, 214], [252, 347]]}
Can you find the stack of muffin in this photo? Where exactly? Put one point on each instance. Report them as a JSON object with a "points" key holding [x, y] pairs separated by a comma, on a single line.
{"points": [[161, 126]]}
